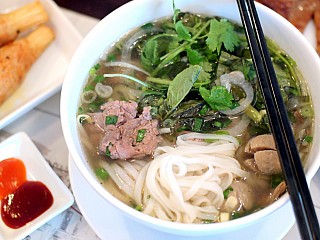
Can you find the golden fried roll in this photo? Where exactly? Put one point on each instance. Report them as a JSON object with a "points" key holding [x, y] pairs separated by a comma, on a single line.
{"points": [[17, 57], [316, 18], [26, 17]]}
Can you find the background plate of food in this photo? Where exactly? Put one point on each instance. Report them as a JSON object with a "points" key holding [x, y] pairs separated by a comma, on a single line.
{"points": [[38, 29]]}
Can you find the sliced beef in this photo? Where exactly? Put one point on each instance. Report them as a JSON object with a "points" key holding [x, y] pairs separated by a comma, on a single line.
{"points": [[122, 109], [265, 157], [121, 138]]}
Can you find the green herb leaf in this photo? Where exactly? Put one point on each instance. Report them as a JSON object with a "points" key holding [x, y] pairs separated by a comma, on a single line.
{"points": [[205, 74], [181, 85], [218, 98], [147, 26], [198, 122], [194, 56], [150, 55], [222, 33], [182, 31]]}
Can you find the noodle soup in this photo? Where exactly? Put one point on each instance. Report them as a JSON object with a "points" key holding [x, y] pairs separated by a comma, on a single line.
{"points": [[173, 123]]}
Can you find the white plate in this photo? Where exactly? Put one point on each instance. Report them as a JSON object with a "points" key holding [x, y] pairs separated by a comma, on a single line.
{"points": [[46, 75], [20, 146], [109, 222]]}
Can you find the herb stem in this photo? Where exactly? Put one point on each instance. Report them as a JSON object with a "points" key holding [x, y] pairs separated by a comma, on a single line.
{"points": [[169, 56], [128, 77], [287, 63]]}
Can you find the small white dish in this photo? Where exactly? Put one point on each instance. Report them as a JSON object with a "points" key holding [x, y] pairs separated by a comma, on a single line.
{"points": [[46, 75], [21, 146]]}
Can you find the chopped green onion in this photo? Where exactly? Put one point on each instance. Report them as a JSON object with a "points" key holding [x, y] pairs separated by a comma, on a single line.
{"points": [[253, 114], [101, 173], [140, 135], [88, 88], [276, 180], [111, 58], [307, 111], [80, 110], [227, 192], [108, 153], [235, 215], [308, 139], [94, 69], [207, 221], [111, 120], [98, 79], [147, 26], [138, 208]]}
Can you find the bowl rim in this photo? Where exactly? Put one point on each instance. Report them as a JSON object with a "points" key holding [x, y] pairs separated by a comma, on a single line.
{"points": [[68, 123]]}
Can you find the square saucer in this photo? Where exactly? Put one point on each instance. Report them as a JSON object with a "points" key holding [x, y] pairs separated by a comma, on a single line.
{"points": [[21, 146]]}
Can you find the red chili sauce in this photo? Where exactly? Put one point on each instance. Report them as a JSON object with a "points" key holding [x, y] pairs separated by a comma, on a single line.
{"points": [[26, 203], [21, 200]]}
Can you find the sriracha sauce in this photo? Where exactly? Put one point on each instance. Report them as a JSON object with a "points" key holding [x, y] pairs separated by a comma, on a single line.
{"points": [[26, 203]]}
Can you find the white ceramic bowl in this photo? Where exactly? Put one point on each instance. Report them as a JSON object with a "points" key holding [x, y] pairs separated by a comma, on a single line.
{"points": [[138, 12]]}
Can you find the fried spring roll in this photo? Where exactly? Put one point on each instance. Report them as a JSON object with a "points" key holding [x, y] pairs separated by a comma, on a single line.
{"points": [[316, 18], [21, 19], [17, 57]]}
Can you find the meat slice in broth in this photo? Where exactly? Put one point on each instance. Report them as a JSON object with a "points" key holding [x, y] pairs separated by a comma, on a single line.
{"points": [[127, 134]]}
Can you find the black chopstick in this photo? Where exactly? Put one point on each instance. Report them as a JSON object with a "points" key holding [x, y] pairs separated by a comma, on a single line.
{"points": [[288, 153]]}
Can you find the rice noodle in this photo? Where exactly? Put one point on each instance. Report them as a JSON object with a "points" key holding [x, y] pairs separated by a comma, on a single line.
{"points": [[183, 183]]}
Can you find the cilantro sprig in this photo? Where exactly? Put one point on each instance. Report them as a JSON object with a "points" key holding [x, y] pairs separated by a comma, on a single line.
{"points": [[218, 97], [222, 34]]}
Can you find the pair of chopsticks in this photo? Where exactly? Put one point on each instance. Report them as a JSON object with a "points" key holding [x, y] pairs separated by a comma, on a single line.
{"points": [[289, 156]]}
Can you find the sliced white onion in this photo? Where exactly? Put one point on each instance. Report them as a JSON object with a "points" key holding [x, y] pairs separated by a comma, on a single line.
{"points": [[126, 65], [103, 91], [240, 127], [237, 78], [88, 96]]}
